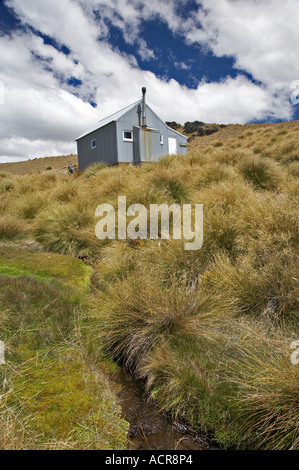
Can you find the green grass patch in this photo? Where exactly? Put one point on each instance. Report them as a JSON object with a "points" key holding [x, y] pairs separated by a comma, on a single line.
{"points": [[53, 395], [20, 262]]}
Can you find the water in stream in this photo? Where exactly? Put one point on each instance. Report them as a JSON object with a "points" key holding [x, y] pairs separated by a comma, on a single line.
{"points": [[149, 428]]}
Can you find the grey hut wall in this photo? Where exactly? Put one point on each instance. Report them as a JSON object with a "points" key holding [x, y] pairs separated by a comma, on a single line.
{"points": [[106, 147], [133, 119]]}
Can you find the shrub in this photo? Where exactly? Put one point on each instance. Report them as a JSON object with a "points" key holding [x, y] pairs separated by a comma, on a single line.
{"points": [[190, 127], [172, 124]]}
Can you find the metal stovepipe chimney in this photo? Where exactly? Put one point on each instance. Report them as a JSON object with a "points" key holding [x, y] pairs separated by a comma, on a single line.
{"points": [[143, 107]]}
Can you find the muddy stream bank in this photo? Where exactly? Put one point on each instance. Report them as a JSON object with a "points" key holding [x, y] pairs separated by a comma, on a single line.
{"points": [[151, 429]]}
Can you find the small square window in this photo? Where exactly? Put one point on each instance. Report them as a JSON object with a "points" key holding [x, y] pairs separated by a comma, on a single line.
{"points": [[128, 136], [93, 144]]}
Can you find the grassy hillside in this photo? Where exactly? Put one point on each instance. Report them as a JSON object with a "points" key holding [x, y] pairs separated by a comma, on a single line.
{"points": [[39, 165], [209, 331]]}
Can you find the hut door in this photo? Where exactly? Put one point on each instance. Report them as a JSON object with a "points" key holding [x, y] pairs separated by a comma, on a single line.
{"points": [[147, 147], [172, 147]]}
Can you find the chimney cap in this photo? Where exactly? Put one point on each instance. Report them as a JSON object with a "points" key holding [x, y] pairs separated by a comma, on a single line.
{"points": [[143, 89]]}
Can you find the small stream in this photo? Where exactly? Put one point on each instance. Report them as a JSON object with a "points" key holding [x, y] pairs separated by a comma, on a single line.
{"points": [[151, 429]]}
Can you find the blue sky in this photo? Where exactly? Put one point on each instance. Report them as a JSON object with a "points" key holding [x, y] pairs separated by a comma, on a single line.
{"points": [[173, 58], [65, 64]]}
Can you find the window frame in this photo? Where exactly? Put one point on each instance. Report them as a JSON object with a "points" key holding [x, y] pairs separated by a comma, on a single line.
{"points": [[91, 142], [125, 139]]}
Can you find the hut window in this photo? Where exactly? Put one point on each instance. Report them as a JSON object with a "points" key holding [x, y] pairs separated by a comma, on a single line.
{"points": [[93, 144], [161, 139], [128, 136]]}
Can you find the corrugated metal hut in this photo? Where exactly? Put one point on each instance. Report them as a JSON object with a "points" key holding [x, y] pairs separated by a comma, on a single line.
{"points": [[134, 134]]}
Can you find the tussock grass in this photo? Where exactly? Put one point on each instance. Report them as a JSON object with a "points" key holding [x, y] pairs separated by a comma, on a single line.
{"points": [[110, 182], [28, 206], [269, 399], [262, 173], [145, 312], [11, 227], [230, 196], [92, 170], [197, 392], [267, 291], [4, 174], [169, 161], [6, 184], [26, 184], [213, 173], [233, 395], [64, 192], [293, 168], [146, 195], [14, 434], [174, 181], [207, 331], [66, 229], [117, 262], [229, 156]]}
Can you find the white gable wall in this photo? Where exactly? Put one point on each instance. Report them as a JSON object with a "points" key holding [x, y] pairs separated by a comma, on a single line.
{"points": [[133, 118]]}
